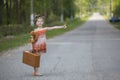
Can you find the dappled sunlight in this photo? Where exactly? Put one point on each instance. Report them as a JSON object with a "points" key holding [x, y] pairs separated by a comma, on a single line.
{"points": [[96, 17]]}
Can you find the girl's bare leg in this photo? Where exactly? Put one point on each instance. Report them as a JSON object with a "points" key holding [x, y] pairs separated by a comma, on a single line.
{"points": [[35, 71]]}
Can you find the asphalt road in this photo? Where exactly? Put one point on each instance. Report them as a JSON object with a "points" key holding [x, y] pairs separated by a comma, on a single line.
{"points": [[90, 52]]}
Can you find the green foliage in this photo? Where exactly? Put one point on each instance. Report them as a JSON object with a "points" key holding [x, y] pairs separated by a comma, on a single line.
{"points": [[8, 43], [14, 30], [116, 25], [116, 8], [110, 6], [18, 11], [1, 35], [52, 18]]}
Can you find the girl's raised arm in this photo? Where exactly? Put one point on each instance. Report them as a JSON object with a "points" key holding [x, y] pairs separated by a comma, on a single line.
{"points": [[55, 27]]}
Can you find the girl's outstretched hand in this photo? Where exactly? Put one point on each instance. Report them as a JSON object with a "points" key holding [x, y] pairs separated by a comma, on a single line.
{"points": [[65, 26]]}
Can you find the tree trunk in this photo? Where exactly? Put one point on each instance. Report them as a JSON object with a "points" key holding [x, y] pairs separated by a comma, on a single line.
{"points": [[62, 12], [1, 10], [19, 11], [7, 12]]}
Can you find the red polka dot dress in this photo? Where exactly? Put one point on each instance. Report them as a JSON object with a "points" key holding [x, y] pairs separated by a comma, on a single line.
{"points": [[40, 44]]}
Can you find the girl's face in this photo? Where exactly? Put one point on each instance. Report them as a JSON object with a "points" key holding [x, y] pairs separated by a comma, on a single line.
{"points": [[39, 22]]}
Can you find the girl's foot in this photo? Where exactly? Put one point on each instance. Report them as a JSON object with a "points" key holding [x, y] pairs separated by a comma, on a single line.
{"points": [[37, 74]]}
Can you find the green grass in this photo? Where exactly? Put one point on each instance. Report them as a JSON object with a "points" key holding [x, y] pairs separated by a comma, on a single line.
{"points": [[8, 43], [19, 40], [116, 25]]}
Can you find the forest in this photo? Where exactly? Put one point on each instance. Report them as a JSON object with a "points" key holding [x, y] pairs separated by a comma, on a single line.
{"points": [[19, 12]]}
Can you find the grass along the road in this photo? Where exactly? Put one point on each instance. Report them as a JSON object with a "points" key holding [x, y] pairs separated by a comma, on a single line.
{"points": [[12, 42], [116, 25], [19, 40]]}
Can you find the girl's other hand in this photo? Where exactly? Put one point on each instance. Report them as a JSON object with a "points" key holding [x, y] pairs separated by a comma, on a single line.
{"points": [[65, 26]]}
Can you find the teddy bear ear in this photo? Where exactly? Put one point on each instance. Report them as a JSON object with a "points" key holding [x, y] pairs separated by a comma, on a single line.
{"points": [[38, 15], [32, 32], [43, 17]]}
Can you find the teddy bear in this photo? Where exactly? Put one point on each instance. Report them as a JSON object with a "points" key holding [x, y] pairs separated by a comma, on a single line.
{"points": [[34, 37]]}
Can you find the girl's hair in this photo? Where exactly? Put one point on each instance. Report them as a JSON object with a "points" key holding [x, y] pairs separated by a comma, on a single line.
{"points": [[37, 17]]}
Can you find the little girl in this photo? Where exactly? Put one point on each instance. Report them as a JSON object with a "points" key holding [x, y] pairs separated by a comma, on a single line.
{"points": [[38, 39]]}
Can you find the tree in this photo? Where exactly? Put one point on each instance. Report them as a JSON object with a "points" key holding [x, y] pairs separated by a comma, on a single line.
{"points": [[1, 10], [53, 10], [116, 8]]}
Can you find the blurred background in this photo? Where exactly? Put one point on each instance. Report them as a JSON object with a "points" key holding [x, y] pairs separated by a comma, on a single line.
{"points": [[17, 16]]}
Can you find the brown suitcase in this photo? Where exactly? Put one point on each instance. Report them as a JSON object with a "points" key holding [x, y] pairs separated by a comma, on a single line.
{"points": [[31, 59]]}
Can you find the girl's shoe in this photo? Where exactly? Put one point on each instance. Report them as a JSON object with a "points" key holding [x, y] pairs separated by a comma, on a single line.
{"points": [[37, 74]]}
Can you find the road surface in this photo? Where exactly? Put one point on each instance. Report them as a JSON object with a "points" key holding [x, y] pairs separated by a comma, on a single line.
{"points": [[90, 52]]}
